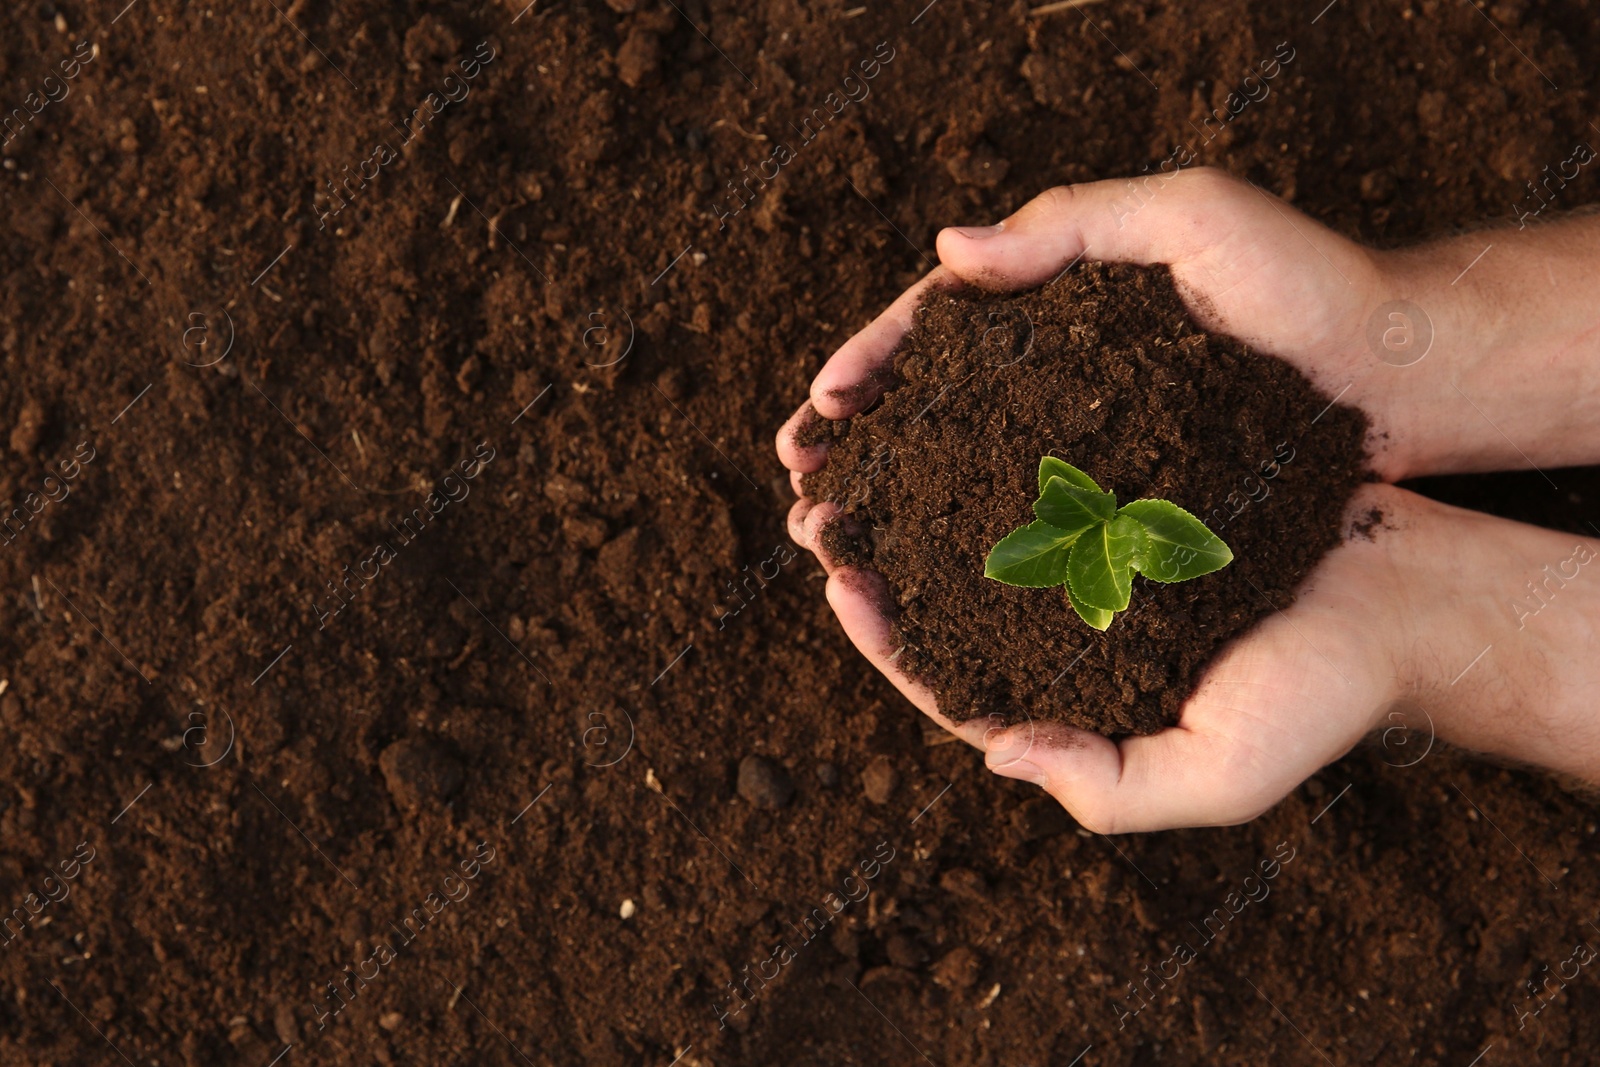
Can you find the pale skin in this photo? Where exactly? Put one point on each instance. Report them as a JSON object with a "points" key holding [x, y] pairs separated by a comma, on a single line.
{"points": [[1425, 614]]}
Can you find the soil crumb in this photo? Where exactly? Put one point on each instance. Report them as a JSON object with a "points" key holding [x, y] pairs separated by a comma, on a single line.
{"points": [[1105, 369]]}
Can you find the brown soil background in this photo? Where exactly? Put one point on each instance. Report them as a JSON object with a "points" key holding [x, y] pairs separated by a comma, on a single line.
{"points": [[1104, 368], [602, 537]]}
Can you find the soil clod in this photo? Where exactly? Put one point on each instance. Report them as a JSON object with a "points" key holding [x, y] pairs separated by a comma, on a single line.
{"points": [[419, 773], [880, 780], [958, 969], [763, 783]]}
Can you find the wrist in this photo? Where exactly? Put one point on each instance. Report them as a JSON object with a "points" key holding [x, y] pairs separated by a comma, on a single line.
{"points": [[1495, 630], [1504, 378], [1427, 334], [1453, 320]]}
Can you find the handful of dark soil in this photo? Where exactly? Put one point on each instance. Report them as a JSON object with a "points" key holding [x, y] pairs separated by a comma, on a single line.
{"points": [[1104, 368]]}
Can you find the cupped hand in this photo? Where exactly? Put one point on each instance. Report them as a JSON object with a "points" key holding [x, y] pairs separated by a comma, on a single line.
{"points": [[1247, 265], [1292, 695], [1417, 630]]}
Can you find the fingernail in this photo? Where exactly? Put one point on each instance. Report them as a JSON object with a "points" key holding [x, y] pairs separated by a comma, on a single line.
{"points": [[1004, 744], [1020, 769], [978, 233], [1006, 755]]}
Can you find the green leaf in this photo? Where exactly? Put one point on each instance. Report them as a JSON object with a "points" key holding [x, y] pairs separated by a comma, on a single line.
{"points": [[1098, 565], [1051, 467], [1099, 618], [1176, 545], [1083, 540], [1071, 508], [1034, 556]]}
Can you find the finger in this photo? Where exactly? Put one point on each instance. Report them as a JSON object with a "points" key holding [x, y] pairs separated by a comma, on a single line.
{"points": [[858, 372], [792, 453], [861, 599], [1178, 777], [797, 483], [797, 521], [1157, 218], [822, 515]]}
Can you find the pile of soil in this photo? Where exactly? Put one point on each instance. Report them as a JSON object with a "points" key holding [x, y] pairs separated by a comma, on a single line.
{"points": [[1105, 369], [612, 620]]}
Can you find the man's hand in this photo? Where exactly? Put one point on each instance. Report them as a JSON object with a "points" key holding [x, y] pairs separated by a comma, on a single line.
{"points": [[1430, 618], [1247, 265]]}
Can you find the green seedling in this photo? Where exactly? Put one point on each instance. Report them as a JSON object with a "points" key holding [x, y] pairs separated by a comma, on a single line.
{"points": [[1084, 541]]}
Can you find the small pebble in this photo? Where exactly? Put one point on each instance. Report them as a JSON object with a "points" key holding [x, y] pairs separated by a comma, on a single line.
{"points": [[828, 775], [764, 783], [284, 1023], [627, 909], [29, 428], [879, 780], [391, 1020]]}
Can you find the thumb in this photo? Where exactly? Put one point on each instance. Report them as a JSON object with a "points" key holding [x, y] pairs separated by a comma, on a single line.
{"points": [[1176, 778], [1144, 220]]}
